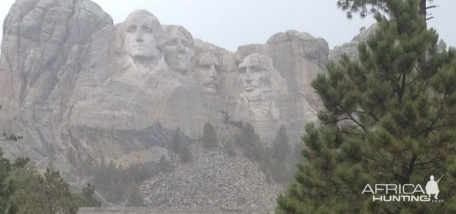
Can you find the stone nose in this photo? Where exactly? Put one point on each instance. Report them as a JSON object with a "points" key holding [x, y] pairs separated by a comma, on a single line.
{"points": [[247, 77], [212, 72], [248, 73], [139, 36], [181, 48]]}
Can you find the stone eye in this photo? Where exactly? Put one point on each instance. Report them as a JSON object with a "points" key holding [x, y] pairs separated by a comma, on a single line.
{"points": [[131, 29], [255, 69], [146, 29], [185, 43]]}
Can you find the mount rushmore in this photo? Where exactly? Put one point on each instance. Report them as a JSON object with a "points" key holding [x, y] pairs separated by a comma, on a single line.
{"points": [[67, 70], [71, 80]]}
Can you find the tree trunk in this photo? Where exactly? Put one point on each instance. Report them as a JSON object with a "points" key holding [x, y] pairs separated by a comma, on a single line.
{"points": [[423, 7]]}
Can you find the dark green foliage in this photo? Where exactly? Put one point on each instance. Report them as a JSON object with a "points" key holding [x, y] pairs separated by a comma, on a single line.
{"points": [[389, 118], [165, 165], [176, 142], [250, 143], [366, 7], [48, 193], [24, 190], [135, 199], [185, 155], [209, 136], [275, 162], [363, 7], [87, 197], [109, 181], [113, 181], [11, 137], [180, 147], [6, 188], [280, 145], [280, 161]]}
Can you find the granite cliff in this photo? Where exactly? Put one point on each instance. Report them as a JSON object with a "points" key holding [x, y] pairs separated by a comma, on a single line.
{"points": [[74, 84]]}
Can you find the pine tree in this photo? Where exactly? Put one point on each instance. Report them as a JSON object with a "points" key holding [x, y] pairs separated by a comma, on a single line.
{"points": [[277, 163], [5, 187], [135, 199], [280, 145], [389, 118], [87, 197], [185, 154], [47, 193], [365, 7], [209, 136], [180, 147], [176, 141], [164, 164], [249, 141]]}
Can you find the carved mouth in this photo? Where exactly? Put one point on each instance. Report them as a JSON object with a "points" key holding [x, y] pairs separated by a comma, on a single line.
{"points": [[210, 85], [138, 47], [249, 88]]}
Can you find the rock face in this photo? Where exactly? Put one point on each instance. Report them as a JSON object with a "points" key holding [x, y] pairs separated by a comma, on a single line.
{"points": [[289, 61], [41, 46], [70, 80], [351, 48]]}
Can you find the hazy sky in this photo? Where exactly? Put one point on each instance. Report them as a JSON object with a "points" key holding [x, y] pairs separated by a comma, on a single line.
{"points": [[231, 23]]}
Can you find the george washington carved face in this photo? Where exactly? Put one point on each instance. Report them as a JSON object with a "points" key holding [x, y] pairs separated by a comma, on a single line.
{"points": [[142, 33]]}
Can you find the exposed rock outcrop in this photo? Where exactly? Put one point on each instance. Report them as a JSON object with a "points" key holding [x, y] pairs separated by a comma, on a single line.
{"points": [[214, 179], [351, 48], [70, 80], [40, 48]]}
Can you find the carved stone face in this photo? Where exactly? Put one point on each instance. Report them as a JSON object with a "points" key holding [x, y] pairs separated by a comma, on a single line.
{"points": [[254, 76], [207, 70], [178, 49], [142, 32]]}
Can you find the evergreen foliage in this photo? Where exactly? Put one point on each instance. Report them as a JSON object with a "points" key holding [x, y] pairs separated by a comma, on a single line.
{"points": [[165, 165], [250, 143], [209, 136], [176, 142], [6, 188], [24, 190], [113, 182], [389, 118], [280, 162], [366, 7], [185, 155], [87, 197], [280, 145], [180, 147], [135, 199]]}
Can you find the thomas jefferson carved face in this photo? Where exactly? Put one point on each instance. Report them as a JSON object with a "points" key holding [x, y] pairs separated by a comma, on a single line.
{"points": [[254, 75], [143, 30], [178, 49], [207, 71]]}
